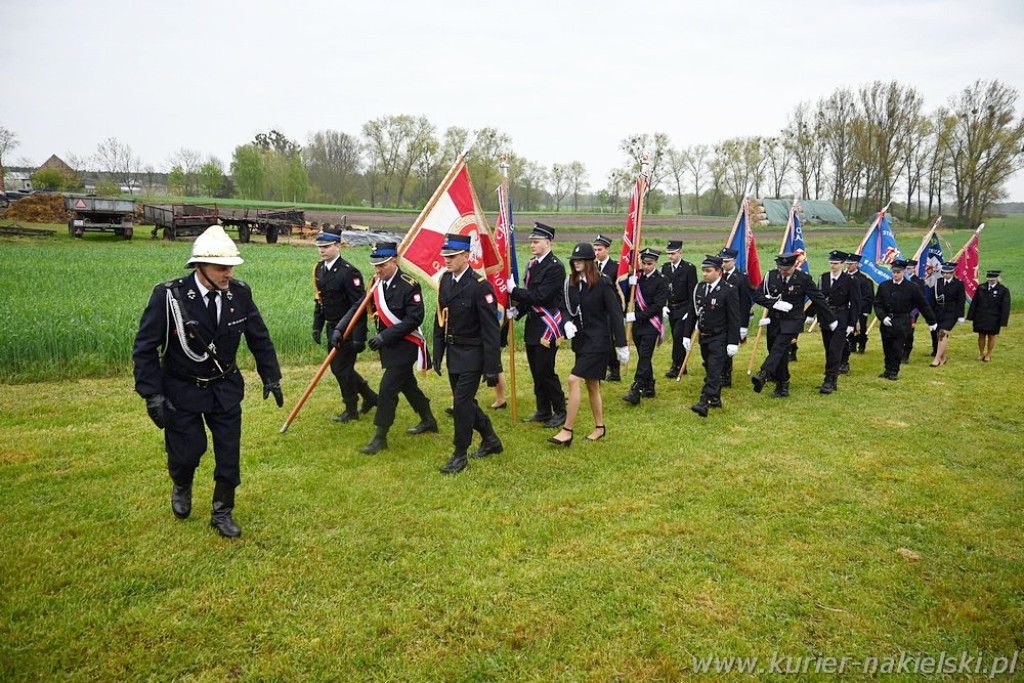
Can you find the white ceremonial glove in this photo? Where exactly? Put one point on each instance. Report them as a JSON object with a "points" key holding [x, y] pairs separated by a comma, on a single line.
{"points": [[632, 280], [511, 312], [664, 312], [764, 322], [961, 321], [931, 328], [833, 326], [849, 330], [511, 286], [808, 320], [732, 349], [631, 317], [743, 333], [570, 330], [687, 343], [783, 306], [622, 353], [887, 321]]}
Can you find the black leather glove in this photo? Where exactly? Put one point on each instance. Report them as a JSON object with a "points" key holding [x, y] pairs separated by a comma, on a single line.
{"points": [[491, 380], [335, 338], [358, 346], [316, 334], [376, 342], [437, 365], [275, 389], [156, 405]]}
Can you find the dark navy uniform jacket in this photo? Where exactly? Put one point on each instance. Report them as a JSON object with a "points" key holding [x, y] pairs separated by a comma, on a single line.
{"points": [[843, 298], [948, 301], [990, 307], [405, 300], [597, 314], [681, 282], [471, 335], [338, 289], [175, 376], [719, 312], [800, 285], [896, 301], [655, 292], [738, 279], [542, 286]]}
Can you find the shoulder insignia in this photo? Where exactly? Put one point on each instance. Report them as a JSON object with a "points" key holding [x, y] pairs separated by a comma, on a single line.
{"points": [[409, 278], [481, 278], [240, 283]]}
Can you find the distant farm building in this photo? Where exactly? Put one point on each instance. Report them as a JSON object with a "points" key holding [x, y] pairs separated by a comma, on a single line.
{"points": [[812, 211]]}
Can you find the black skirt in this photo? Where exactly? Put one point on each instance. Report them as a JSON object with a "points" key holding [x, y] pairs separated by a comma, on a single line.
{"points": [[985, 328], [591, 365]]}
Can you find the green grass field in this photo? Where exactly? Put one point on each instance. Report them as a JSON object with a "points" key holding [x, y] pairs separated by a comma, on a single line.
{"points": [[881, 521]]}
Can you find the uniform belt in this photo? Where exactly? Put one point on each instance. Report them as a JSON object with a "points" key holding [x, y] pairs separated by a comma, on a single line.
{"points": [[202, 382], [711, 332], [461, 341]]}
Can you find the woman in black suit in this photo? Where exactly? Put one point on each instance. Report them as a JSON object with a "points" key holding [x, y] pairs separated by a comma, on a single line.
{"points": [[949, 301], [593, 319], [989, 311]]}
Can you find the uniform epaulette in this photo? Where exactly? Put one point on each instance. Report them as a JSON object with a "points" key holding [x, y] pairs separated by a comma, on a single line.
{"points": [[240, 283], [409, 278], [173, 283], [481, 278]]}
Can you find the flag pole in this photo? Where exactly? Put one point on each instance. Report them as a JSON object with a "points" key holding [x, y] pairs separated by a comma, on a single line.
{"points": [[764, 311], [975, 235], [635, 266], [926, 238], [860, 249], [504, 198]]}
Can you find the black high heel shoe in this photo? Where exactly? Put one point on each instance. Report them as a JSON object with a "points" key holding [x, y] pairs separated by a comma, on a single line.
{"points": [[500, 406], [604, 433], [566, 443]]}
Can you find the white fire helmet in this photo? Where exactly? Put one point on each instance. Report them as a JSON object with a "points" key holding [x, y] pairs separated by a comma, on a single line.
{"points": [[214, 246]]}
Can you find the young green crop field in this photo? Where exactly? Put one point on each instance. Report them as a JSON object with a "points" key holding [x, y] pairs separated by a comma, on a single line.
{"points": [[883, 521]]}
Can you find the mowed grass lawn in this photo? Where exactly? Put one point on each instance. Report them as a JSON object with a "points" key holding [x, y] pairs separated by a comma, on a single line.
{"points": [[881, 520]]}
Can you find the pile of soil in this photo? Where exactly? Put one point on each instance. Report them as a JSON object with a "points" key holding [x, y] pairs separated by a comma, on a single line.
{"points": [[39, 208]]}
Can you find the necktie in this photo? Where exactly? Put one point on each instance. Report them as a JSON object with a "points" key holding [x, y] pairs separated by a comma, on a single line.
{"points": [[211, 306]]}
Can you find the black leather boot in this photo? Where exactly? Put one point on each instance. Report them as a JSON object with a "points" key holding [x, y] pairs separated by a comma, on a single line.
{"points": [[378, 443], [715, 401], [425, 425], [181, 501], [456, 464], [223, 504], [701, 406], [649, 389], [826, 386], [490, 444], [673, 372], [781, 390], [350, 415], [369, 397], [633, 397], [759, 380]]}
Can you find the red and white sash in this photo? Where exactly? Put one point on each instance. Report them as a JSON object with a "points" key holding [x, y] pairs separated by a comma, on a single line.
{"points": [[655, 320], [389, 318]]}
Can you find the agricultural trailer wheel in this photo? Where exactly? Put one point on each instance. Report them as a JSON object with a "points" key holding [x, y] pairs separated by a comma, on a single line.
{"points": [[169, 233], [271, 234], [129, 233], [243, 233]]}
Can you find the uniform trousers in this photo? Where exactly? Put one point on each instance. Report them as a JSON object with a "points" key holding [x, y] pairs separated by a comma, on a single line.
{"points": [[547, 389], [468, 415], [712, 351], [860, 338], [185, 439], [644, 353], [678, 350], [349, 381], [399, 379], [777, 362], [893, 338], [835, 346]]}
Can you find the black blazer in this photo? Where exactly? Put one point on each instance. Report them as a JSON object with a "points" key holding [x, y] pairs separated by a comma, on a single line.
{"points": [[405, 300], [471, 335], [843, 299], [597, 314], [738, 279], [542, 286], [680, 287], [990, 307], [655, 291], [337, 291], [897, 301], [948, 301], [239, 317], [800, 285], [715, 313]]}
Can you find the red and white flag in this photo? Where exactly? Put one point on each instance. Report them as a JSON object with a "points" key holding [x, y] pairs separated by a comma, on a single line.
{"points": [[630, 236], [454, 209]]}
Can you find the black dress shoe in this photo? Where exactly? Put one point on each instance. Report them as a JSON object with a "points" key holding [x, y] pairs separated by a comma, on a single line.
{"points": [[538, 417], [672, 373], [223, 522], [844, 369], [500, 406], [423, 427], [181, 501], [369, 403], [491, 446], [457, 463], [701, 408], [347, 416], [557, 420], [566, 443], [378, 443], [614, 377]]}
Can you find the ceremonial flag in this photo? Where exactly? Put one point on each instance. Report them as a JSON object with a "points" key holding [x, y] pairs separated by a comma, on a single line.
{"points": [[930, 261], [794, 239], [505, 238], [742, 240], [631, 234], [878, 248], [454, 209], [967, 264]]}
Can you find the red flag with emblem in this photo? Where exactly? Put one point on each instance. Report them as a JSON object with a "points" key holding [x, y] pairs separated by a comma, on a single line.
{"points": [[967, 264]]}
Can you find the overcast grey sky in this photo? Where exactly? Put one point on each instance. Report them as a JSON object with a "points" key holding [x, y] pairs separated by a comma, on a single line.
{"points": [[566, 80]]}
